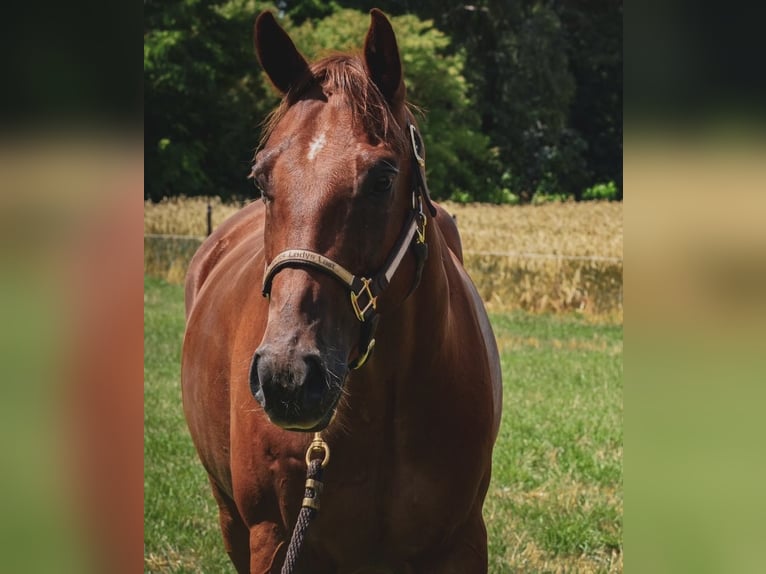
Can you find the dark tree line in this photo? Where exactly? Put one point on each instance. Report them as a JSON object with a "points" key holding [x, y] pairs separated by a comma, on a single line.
{"points": [[534, 109]]}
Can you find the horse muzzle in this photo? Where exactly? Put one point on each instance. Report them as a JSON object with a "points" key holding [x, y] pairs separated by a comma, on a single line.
{"points": [[298, 392]]}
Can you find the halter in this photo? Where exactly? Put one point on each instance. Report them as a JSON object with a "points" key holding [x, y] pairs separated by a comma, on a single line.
{"points": [[364, 291]]}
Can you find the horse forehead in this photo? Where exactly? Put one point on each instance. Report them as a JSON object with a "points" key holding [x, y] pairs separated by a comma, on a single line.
{"points": [[322, 131]]}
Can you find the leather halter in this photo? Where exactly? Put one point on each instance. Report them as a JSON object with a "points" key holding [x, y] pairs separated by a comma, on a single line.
{"points": [[364, 291]]}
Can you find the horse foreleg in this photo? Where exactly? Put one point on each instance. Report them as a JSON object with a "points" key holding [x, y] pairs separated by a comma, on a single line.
{"points": [[467, 553], [236, 538], [267, 548]]}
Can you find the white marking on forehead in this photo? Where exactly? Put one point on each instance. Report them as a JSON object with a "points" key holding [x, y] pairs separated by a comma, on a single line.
{"points": [[316, 144]]}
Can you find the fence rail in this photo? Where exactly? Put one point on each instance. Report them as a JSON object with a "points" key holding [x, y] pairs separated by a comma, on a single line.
{"points": [[550, 256], [505, 279], [511, 254]]}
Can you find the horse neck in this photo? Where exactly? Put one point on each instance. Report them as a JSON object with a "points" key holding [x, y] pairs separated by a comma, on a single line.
{"points": [[419, 325]]}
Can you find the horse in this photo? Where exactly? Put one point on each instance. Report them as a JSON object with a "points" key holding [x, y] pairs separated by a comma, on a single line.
{"points": [[339, 305]]}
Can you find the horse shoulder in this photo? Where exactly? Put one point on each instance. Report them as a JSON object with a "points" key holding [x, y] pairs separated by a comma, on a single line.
{"points": [[212, 293], [479, 312]]}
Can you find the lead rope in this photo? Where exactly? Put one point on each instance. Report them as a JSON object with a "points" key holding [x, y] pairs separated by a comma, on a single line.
{"points": [[310, 505]]}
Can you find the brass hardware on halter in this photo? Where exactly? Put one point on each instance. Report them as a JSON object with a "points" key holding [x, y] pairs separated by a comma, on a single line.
{"points": [[318, 445], [363, 359], [373, 301], [421, 229]]}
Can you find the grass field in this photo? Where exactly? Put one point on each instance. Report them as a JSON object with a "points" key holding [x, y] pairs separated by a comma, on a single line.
{"points": [[555, 501]]}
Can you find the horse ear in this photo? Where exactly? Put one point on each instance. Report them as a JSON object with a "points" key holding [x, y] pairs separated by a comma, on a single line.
{"points": [[381, 55], [281, 60]]}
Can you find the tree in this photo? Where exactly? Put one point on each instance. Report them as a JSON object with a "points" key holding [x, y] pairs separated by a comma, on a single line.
{"points": [[547, 81], [594, 38], [521, 96], [517, 56], [203, 97]]}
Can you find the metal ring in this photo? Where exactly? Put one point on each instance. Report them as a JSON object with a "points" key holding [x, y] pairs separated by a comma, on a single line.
{"points": [[318, 445]]}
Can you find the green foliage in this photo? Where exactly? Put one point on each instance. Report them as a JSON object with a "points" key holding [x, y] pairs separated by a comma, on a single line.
{"points": [[203, 98], [460, 159], [593, 34], [601, 191], [542, 197], [521, 97], [299, 12], [526, 99], [547, 81]]}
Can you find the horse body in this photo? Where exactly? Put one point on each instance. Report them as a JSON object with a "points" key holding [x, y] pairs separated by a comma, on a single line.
{"points": [[411, 435]]}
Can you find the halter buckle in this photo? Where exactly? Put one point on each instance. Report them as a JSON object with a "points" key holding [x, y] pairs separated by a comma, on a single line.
{"points": [[421, 228], [372, 300]]}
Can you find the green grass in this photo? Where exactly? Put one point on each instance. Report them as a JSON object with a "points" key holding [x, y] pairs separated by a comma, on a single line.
{"points": [[555, 501], [180, 516]]}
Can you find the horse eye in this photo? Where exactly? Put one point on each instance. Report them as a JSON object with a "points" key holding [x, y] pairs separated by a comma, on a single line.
{"points": [[384, 183]]}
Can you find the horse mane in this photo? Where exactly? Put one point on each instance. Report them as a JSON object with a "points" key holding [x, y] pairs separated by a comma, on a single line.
{"points": [[345, 74]]}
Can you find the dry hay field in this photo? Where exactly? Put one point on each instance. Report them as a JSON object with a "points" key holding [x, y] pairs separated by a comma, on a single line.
{"points": [[554, 257], [551, 257]]}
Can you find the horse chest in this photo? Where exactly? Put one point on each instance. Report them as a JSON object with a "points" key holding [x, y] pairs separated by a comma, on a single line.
{"points": [[390, 511]]}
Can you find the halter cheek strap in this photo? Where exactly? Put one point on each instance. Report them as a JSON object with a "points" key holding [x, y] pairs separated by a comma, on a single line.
{"points": [[364, 291]]}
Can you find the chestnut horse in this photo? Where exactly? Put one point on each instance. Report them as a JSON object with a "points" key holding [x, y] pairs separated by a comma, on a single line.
{"points": [[348, 249]]}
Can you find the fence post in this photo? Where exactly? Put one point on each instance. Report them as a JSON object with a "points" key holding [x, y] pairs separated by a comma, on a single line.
{"points": [[209, 218]]}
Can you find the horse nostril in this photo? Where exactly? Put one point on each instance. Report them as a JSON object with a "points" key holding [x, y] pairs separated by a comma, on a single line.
{"points": [[314, 380], [256, 378]]}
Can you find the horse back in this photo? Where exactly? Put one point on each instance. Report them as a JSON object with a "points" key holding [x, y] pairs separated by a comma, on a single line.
{"points": [[230, 234]]}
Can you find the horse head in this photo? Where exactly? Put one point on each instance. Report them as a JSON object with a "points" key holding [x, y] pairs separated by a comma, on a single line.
{"points": [[338, 171]]}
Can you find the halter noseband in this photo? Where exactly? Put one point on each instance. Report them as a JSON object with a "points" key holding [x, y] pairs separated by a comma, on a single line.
{"points": [[364, 291]]}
